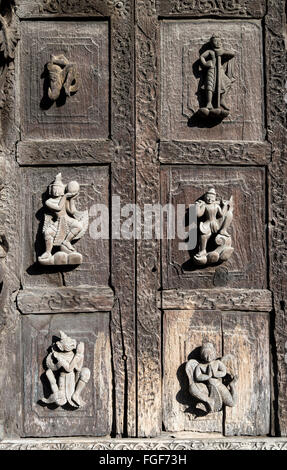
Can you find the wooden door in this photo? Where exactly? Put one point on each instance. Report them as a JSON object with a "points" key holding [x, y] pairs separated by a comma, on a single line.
{"points": [[128, 128]]}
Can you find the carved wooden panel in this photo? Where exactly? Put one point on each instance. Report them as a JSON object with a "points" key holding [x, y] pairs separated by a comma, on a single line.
{"points": [[247, 265], [229, 8], [246, 337], [95, 417], [94, 188], [183, 333], [181, 80], [84, 114], [65, 299]]}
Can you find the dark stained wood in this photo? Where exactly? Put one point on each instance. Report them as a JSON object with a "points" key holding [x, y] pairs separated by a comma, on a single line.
{"points": [[96, 417]]}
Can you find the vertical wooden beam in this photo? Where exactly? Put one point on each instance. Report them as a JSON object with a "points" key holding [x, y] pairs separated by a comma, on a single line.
{"points": [[147, 184], [275, 55]]}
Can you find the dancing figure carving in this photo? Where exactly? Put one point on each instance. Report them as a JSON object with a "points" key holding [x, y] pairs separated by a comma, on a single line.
{"points": [[67, 357], [214, 218], [63, 224]]}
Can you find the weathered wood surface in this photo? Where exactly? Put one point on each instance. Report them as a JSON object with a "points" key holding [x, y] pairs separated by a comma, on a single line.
{"points": [[183, 334], [246, 337], [215, 153], [120, 174], [221, 8], [96, 417], [94, 189], [83, 115], [123, 184], [49, 152], [181, 43], [276, 71], [62, 8], [149, 380], [255, 300], [247, 268], [65, 299]]}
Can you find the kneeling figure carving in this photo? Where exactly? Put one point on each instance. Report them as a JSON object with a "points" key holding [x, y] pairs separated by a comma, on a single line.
{"points": [[205, 380]]}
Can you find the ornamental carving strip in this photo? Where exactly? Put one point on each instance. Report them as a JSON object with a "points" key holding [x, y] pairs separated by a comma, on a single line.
{"points": [[218, 7]]}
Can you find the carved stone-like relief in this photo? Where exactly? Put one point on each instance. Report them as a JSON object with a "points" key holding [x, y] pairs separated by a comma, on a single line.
{"points": [[67, 357], [63, 75], [214, 219], [217, 64], [205, 380], [63, 224]]}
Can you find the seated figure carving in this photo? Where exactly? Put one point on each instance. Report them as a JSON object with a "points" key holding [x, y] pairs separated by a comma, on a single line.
{"points": [[67, 357], [63, 223], [214, 218], [205, 380]]}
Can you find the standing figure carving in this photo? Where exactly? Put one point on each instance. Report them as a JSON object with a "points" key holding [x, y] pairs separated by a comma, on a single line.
{"points": [[205, 380], [219, 67], [214, 219], [67, 357], [63, 224], [62, 75]]}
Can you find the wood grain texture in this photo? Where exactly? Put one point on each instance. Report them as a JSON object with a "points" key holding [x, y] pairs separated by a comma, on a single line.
{"points": [[59, 8], [247, 266], [221, 8], [83, 115], [215, 153], [181, 43], [255, 300], [65, 299], [123, 184], [148, 258], [275, 56], [246, 337], [183, 333], [96, 417], [94, 189], [67, 152]]}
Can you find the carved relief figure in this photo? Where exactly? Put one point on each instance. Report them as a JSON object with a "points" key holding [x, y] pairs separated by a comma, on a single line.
{"points": [[219, 67], [205, 380], [62, 74], [67, 357], [63, 223], [214, 219]]}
